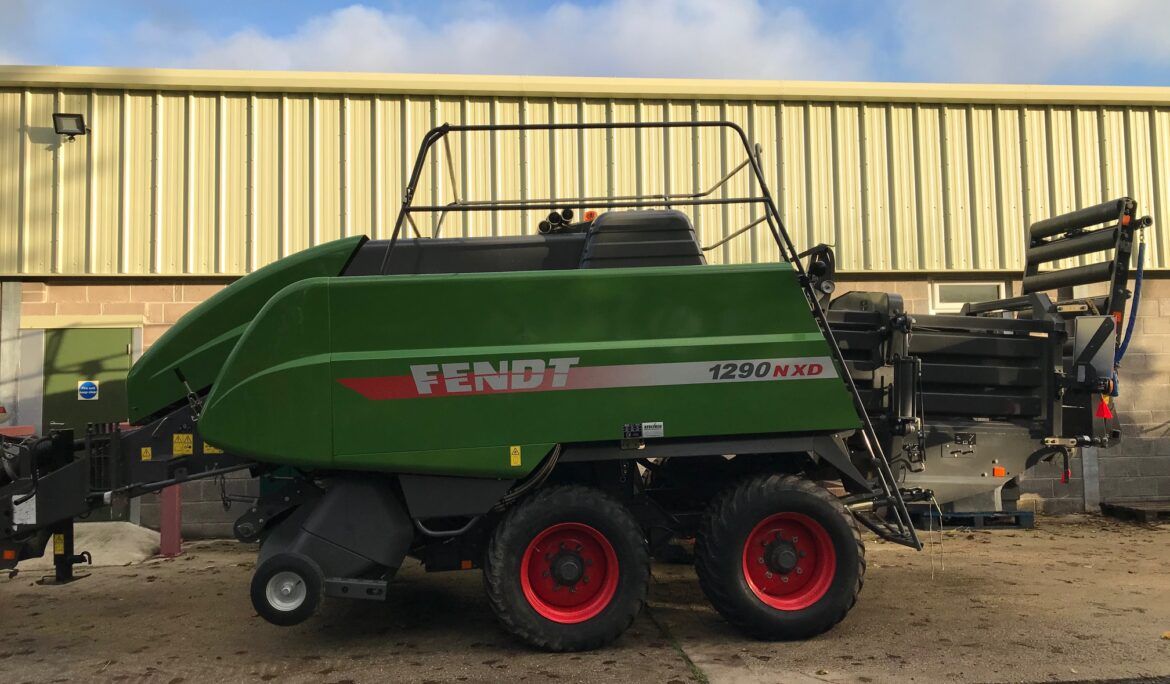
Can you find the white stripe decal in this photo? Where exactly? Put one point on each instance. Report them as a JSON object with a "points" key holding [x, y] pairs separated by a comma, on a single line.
{"points": [[537, 375]]}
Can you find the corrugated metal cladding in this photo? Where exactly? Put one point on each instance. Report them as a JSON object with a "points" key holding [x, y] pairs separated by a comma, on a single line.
{"points": [[200, 182]]}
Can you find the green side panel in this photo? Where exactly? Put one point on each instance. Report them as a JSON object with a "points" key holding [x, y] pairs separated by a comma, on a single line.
{"points": [[613, 322], [199, 342], [272, 400]]}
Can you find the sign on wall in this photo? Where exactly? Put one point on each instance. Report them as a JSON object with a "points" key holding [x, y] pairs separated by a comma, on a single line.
{"points": [[87, 390]]}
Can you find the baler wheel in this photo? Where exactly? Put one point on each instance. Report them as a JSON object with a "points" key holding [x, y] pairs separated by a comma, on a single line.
{"points": [[780, 557], [286, 589], [567, 569]]}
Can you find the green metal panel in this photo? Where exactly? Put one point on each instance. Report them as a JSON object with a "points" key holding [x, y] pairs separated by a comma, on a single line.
{"points": [[73, 355], [198, 344], [349, 372]]}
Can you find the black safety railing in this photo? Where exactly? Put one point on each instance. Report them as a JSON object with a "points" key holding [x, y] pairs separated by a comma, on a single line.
{"points": [[897, 525]]}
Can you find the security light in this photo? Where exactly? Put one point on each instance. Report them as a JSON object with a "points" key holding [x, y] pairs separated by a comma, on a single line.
{"points": [[71, 125]]}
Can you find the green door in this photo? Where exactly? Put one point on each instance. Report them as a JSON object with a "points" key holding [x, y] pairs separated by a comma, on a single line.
{"points": [[85, 377]]}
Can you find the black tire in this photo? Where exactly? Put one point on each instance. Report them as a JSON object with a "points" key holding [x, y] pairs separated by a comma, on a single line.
{"points": [[308, 583], [567, 510], [757, 508]]}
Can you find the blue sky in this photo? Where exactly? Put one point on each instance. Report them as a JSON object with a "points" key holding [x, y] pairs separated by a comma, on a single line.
{"points": [[1017, 41]]}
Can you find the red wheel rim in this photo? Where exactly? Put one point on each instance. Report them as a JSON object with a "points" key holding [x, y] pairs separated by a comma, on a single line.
{"points": [[549, 573], [789, 561]]}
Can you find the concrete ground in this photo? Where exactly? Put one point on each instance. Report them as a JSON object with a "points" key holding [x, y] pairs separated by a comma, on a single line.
{"points": [[1075, 599]]}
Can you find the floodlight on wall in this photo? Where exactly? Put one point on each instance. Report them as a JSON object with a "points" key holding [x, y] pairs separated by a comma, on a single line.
{"points": [[71, 125]]}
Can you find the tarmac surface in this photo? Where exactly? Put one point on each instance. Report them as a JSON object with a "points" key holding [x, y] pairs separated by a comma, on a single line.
{"points": [[1076, 599]]}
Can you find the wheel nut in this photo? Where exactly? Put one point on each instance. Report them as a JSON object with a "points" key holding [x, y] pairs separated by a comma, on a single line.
{"points": [[795, 539], [760, 560], [784, 579], [768, 575], [799, 571]]}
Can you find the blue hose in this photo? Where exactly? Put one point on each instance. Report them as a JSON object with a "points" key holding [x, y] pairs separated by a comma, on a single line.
{"points": [[1137, 298]]}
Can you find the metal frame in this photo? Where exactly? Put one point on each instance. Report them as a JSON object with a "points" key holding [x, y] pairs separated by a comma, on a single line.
{"points": [[900, 529]]}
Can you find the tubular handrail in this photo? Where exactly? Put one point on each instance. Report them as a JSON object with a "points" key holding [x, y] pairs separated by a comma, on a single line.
{"points": [[788, 252]]}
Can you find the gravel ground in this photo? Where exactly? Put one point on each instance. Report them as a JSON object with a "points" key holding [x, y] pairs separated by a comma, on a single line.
{"points": [[1075, 599]]}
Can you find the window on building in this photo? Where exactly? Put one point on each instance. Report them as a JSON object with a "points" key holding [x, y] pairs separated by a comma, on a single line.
{"points": [[949, 297]]}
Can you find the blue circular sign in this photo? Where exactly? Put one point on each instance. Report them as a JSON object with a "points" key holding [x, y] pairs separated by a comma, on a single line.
{"points": [[87, 389]]}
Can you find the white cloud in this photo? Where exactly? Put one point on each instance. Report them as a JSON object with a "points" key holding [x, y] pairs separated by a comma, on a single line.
{"points": [[695, 38], [1085, 41]]}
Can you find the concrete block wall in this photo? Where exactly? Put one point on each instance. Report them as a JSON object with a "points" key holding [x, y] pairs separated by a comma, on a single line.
{"points": [[1140, 467], [204, 516]]}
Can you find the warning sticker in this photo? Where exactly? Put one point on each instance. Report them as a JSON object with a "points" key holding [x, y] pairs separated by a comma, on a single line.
{"points": [[147, 453], [24, 513], [208, 449], [183, 444], [514, 456], [59, 544]]}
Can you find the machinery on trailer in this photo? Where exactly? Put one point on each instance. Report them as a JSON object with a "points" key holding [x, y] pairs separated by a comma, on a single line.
{"points": [[551, 408]]}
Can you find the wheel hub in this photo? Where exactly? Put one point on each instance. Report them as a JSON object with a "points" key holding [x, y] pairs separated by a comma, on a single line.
{"points": [[781, 556], [568, 568], [286, 591]]}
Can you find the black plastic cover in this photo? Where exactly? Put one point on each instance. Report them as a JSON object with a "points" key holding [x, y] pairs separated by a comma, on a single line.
{"points": [[655, 237]]}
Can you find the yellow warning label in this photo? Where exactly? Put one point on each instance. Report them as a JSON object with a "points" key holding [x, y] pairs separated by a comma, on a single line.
{"points": [[59, 544], [147, 453], [514, 456], [208, 449], [182, 444]]}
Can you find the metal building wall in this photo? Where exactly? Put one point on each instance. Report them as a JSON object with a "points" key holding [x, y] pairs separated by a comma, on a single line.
{"points": [[217, 173]]}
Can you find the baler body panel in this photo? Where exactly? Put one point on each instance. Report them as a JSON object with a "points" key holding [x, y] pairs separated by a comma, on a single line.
{"points": [[449, 373], [199, 343]]}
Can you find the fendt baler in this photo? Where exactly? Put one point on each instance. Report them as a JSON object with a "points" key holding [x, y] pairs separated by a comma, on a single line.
{"points": [[553, 408]]}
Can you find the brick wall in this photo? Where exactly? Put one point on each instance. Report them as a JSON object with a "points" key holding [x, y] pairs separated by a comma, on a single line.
{"points": [[159, 304]]}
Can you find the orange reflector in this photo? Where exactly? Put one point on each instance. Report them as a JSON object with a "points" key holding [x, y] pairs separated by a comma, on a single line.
{"points": [[465, 565], [998, 471], [1125, 219], [589, 215], [9, 554], [1103, 410]]}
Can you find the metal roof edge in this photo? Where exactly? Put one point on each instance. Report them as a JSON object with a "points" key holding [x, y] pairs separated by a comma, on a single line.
{"points": [[588, 87]]}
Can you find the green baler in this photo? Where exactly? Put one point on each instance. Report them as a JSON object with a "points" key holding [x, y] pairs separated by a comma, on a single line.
{"points": [[553, 408]]}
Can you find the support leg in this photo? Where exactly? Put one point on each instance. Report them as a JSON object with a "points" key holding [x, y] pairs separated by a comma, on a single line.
{"points": [[171, 522]]}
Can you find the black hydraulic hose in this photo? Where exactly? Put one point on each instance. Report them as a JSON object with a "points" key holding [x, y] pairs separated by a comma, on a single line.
{"points": [[535, 480], [1138, 277]]}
